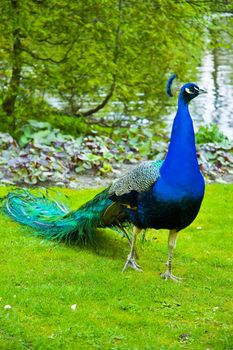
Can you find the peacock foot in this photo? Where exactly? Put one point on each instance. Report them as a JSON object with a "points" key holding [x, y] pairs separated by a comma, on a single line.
{"points": [[168, 275], [131, 262]]}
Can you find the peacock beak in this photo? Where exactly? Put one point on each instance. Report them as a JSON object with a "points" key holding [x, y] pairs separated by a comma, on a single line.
{"points": [[202, 91]]}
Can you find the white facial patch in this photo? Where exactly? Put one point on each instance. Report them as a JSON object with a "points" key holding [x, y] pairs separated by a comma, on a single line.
{"points": [[189, 91]]}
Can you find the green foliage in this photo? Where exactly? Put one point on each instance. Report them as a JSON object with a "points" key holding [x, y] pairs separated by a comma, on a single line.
{"points": [[42, 280], [210, 133], [216, 159], [87, 56], [46, 155], [221, 26], [41, 133]]}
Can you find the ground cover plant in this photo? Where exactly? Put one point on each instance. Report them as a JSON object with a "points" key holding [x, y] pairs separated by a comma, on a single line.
{"points": [[55, 296], [43, 154]]}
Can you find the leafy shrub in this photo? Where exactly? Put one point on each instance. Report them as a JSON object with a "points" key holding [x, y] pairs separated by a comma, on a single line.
{"points": [[41, 133], [45, 155], [210, 133]]}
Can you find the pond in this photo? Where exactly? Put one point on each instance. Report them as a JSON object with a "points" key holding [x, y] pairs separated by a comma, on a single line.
{"points": [[216, 75]]}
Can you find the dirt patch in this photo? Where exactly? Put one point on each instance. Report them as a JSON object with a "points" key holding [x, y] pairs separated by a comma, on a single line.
{"points": [[93, 180]]}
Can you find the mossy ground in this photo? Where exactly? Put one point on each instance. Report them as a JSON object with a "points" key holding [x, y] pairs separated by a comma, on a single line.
{"points": [[41, 280]]}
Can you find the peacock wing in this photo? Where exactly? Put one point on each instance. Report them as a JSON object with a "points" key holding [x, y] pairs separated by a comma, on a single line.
{"points": [[139, 179], [113, 214]]}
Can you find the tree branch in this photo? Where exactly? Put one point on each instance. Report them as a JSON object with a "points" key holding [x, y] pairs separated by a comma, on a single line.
{"points": [[100, 106], [49, 59]]}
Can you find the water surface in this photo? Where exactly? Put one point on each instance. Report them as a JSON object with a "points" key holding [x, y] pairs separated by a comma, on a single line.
{"points": [[216, 75]]}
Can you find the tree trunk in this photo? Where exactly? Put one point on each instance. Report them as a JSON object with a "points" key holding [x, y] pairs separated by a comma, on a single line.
{"points": [[8, 103]]}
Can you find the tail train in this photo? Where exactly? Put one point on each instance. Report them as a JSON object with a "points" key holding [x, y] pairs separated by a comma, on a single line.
{"points": [[53, 220]]}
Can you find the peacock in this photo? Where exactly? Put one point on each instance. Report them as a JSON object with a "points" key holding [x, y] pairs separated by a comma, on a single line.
{"points": [[155, 194]]}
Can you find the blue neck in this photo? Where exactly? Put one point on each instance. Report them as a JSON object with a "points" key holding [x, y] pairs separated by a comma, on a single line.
{"points": [[180, 165]]}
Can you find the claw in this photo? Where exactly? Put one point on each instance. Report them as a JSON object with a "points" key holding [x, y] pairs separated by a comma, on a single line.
{"points": [[131, 262], [167, 275]]}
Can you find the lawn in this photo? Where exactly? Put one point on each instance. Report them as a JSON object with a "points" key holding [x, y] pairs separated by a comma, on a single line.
{"points": [[70, 297]]}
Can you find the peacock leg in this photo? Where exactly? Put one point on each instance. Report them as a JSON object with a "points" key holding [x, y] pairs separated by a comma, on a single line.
{"points": [[171, 245], [131, 262], [125, 233], [129, 240]]}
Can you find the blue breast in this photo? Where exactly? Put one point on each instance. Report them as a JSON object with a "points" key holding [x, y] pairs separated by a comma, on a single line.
{"points": [[164, 206]]}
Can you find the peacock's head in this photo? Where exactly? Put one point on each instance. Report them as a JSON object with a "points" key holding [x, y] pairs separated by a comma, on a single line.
{"points": [[189, 91]]}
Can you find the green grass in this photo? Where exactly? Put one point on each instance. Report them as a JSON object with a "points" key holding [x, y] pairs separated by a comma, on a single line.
{"points": [[41, 280]]}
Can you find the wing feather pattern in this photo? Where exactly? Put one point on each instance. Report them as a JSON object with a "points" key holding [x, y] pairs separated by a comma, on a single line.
{"points": [[138, 179]]}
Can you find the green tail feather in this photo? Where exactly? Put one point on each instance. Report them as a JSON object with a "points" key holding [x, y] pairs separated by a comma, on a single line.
{"points": [[53, 220]]}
